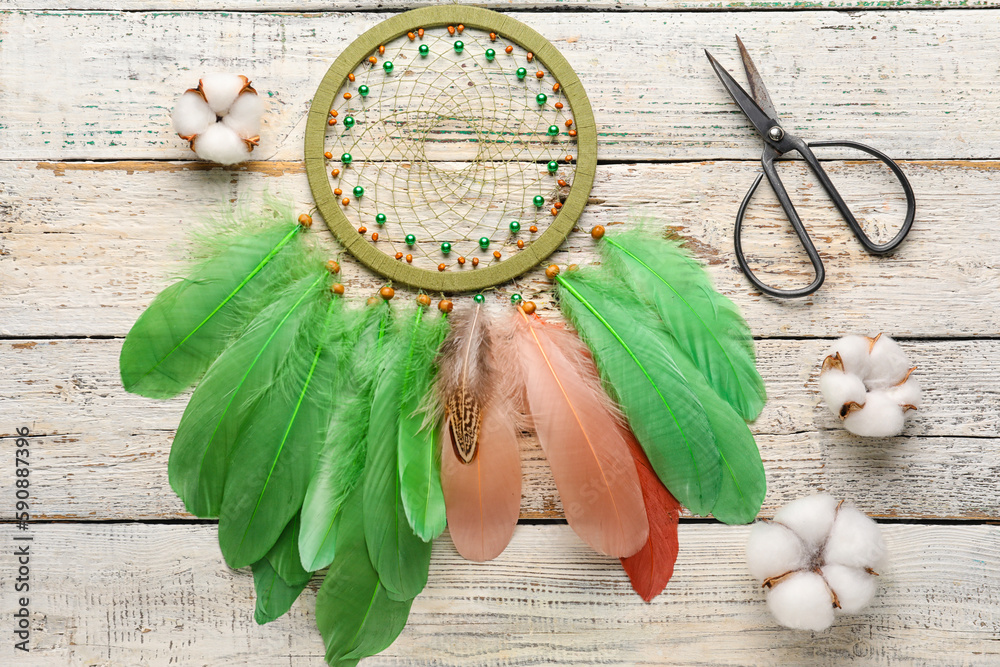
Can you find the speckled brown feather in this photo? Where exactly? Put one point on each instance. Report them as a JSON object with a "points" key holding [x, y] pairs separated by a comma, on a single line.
{"points": [[464, 380]]}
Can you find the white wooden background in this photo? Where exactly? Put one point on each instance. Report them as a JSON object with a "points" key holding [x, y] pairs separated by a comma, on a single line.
{"points": [[96, 194]]}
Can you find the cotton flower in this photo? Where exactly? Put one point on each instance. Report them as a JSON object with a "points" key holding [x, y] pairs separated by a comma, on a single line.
{"points": [[867, 383], [221, 118], [816, 559]]}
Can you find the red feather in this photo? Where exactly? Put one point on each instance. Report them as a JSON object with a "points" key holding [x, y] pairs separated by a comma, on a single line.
{"points": [[651, 568]]}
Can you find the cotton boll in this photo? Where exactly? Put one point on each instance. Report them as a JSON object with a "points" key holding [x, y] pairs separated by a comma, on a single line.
{"points": [[802, 602], [881, 417], [855, 540], [907, 393], [192, 115], [888, 364], [854, 587], [810, 518], [839, 388], [244, 115], [774, 550], [220, 144], [221, 90], [854, 353]]}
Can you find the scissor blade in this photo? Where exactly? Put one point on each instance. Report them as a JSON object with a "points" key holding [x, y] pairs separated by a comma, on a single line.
{"points": [[757, 88], [757, 116]]}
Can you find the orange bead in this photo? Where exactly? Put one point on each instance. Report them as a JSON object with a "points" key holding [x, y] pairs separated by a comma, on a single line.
{"points": [[372, 60], [334, 113], [475, 261], [409, 258], [442, 267], [572, 133], [496, 253], [424, 300], [539, 74], [569, 122], [347, 96], [533, 229], [509, 50], [559, 105], [328, 155], [554, 211], [556, 87], [420, 33], [493, 37], [331, 122], [338, 191], [569, 158], [558, 204], [381, 49], [562, 183], [350, 77], [332, 266], [305, 220], [345, 201], [374, 236], [362, 230], [337, 289], [528, 307], [387, 292], [445, 306], [451, 30], [531, 56], [520, 243], [399, 255], [597, 232], [335, 173], [551, 271], [460, 28], [411, 36], [461, 260]]}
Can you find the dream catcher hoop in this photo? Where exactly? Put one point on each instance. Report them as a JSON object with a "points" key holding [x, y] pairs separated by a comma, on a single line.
{"points": [[451, 148]]}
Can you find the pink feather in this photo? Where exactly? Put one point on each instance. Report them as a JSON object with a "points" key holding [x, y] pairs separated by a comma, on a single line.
{"points": [[582, 435]]}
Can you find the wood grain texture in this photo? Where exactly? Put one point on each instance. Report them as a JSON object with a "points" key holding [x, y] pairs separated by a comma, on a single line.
{"points": [[102, 453], [157, 595], [924, 91], [84, 247]]}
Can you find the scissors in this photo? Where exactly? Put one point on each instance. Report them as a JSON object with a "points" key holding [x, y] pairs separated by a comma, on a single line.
{"points": [[760, 111]]}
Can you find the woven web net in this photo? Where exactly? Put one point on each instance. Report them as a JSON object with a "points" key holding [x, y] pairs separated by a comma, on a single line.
{"points": [[451, 147]]}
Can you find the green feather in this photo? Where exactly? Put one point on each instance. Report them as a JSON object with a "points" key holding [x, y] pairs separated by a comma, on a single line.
{"points": [[400, 557], [199, 456], [274, 454], [342, 460], [354, 613], [278, 577], [191, 322], [419, 456], [668, 419], [707, 325]]}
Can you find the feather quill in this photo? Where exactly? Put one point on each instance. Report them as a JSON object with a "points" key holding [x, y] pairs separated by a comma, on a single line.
{"points": [[273, 457], [342, 459], [480, 457], [666, 416], [581, 434], [191, 322], [354, 611], [651, 567], [398, 554], [707, 326]]}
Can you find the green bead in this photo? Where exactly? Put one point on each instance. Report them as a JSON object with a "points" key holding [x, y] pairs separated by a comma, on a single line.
{"points": [[359, 191], [410, 239], [346, 158], [552, 131], [515, 299], [424, 50], [363, 91], [387, 66], [446, 247], [521, 73], [459, 46], [380, 219], [515, 226], [349, 122], [479, 298], [541, 98], [552, 166], [490, 54], [539, 201], [484, 242]]}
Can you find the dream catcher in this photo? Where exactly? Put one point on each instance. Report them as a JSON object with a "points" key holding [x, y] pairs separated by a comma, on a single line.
{"points": [[450, 149]]}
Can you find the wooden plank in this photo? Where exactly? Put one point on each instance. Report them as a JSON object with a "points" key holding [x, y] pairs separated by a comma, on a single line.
{"points": [[157, 595], [654, 94], [81, 253], [101, 453]]}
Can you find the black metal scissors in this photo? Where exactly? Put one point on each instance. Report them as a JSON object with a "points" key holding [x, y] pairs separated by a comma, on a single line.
{"points": [[760, 111]]}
